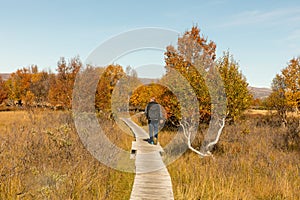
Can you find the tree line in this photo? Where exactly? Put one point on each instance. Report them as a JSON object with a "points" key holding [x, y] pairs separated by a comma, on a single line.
{"points": [[194, 59]]}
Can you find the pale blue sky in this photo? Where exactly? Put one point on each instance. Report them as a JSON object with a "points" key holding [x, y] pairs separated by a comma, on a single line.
{"points": [[262, 35]]}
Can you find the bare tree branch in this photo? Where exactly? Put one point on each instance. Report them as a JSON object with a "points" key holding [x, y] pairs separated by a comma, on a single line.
{"points": [[208, 142], [222, 124]]}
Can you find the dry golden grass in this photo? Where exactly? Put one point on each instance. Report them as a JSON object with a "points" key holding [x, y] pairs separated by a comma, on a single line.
{"points": [[250, 163], [253, 160], [43, 158], [251, 112], [259, 112]]}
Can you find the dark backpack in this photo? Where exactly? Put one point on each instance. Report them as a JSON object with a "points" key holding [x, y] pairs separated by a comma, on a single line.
{"points": [[154, 111]]}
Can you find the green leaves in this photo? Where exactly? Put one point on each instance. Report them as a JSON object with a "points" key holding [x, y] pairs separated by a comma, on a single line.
{"points": [[236, 86]]}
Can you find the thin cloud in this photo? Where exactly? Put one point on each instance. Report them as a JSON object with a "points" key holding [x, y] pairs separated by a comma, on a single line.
{"points": [[294, 35], [292, 41], [272, 17]]}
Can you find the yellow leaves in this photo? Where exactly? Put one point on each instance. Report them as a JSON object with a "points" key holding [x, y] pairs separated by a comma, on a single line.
{"points": [[61, 88], [291, 75], [142, 95], [287, 86], [191, 60], [292, 98], [35, 78], [106, 85], [29, 97], [3, 90]]}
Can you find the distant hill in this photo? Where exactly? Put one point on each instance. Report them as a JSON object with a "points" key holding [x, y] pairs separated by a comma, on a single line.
{"points": [[5, 76], [260, 93], [148, 80]]}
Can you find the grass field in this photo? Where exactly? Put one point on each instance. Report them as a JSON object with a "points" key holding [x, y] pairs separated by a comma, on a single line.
{"points": [[43, 158], [251, 162], [255, 159]]}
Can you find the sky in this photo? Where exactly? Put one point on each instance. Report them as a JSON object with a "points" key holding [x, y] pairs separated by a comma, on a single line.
{"points": [[261, 35]]}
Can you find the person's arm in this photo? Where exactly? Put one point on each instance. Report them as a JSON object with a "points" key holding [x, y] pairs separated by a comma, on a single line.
{"points": [[146, 111], [161, 117], [160, 113]]}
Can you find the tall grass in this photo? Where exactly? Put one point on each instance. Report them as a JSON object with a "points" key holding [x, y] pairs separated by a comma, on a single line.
{"points": [[249, 164], [255, 159], [41, 157]]}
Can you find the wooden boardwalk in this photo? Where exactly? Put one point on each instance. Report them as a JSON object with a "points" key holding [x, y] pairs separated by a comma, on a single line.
{"points": [[152, 179]]}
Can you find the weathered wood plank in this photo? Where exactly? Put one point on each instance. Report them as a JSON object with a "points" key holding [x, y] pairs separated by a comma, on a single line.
{"points": [[152, 179]]}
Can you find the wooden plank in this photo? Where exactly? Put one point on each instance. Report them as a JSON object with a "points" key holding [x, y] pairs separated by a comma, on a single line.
{"points": [[152, 179]]}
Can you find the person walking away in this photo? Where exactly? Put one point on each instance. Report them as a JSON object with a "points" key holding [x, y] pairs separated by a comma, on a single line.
{"points": [[154, 116]]}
